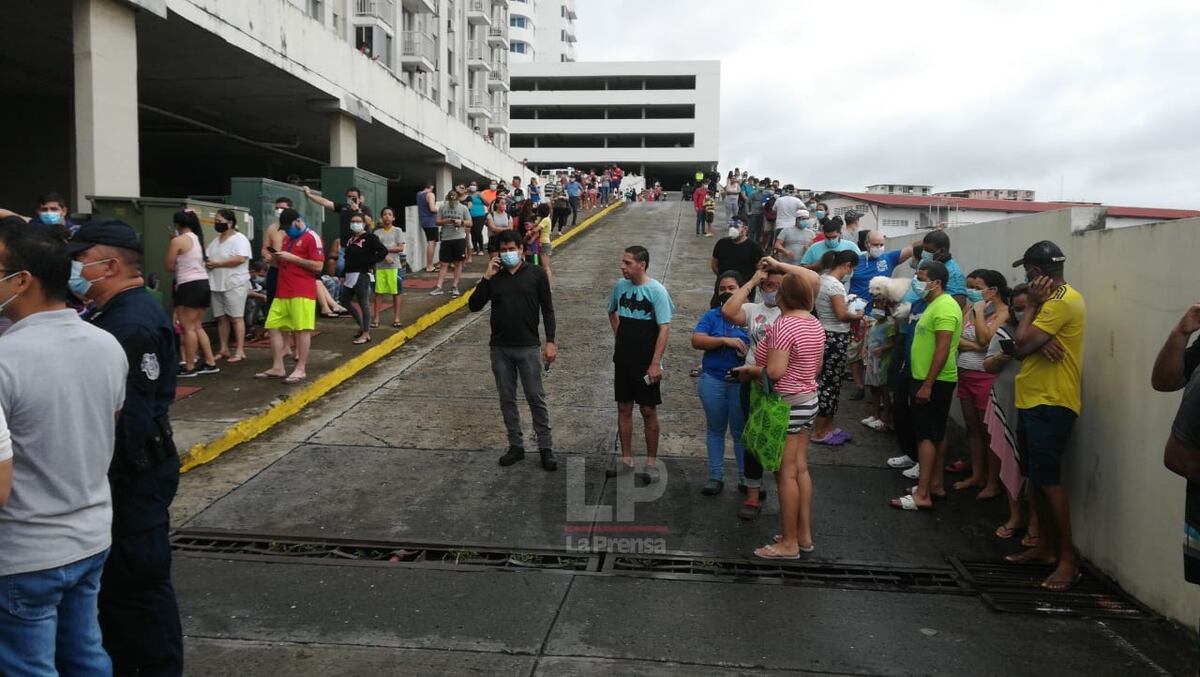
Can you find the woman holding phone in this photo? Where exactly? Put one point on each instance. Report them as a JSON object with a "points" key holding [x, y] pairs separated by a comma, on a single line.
{"points": [[724, 345]]}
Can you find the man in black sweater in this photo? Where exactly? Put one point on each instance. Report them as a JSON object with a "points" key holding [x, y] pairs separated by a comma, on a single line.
{"points": [[518, 293]]}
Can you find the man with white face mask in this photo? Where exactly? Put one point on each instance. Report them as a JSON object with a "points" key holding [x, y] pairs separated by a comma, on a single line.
{"points": [[518, 293], [736, 252]]}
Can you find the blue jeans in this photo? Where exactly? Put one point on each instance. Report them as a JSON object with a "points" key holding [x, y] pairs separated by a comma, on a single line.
{"points": [[722, 411], [49, 622]]}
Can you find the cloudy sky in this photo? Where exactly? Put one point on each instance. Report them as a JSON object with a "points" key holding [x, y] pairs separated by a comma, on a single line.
{"points": [[1096, 100]]}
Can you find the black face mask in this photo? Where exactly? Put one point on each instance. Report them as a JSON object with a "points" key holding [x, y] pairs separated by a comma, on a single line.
{"points": [[221, 227]]}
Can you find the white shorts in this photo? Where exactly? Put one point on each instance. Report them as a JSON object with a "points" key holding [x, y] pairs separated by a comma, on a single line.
{"points": [[230, 303]]}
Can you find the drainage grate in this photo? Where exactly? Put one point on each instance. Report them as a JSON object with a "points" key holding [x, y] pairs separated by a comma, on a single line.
{"points": [[1014, 588], [863, 576], [233, 545]]}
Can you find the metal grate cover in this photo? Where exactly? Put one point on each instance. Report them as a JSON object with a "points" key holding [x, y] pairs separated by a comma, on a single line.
{"points": [[233, 545], [840, 574], [1015, 588]]}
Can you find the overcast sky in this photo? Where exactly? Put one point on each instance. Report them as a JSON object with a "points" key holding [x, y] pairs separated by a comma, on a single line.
{"points": [[1096, 100]]}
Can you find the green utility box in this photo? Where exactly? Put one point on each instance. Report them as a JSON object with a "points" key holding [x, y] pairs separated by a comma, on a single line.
{"points": [[335, 181], [152, 219], [258, 195]]}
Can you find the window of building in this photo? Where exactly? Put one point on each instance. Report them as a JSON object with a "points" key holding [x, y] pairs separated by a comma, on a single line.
{"points": [[862, 209], [316, 9], [518, 21], [520, 47], [895, 223]]}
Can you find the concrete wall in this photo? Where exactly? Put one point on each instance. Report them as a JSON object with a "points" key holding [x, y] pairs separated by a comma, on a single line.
{"points": [[1137, 282]]}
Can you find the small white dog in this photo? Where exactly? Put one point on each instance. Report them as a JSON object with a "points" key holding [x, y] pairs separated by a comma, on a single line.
{"points": [[893, 289]]}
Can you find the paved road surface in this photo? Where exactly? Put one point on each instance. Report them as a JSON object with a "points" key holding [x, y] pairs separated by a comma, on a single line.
{"points": [[406, 454]]}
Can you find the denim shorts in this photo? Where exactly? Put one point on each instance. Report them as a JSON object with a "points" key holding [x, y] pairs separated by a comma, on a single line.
{"points": [[1042, 435]]}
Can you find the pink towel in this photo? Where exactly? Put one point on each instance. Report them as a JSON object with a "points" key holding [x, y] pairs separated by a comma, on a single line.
{"points": [[1003, 444]]}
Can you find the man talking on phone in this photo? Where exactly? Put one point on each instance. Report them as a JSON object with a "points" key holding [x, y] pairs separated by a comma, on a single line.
{"points": [[518, 293], [639, 310]]}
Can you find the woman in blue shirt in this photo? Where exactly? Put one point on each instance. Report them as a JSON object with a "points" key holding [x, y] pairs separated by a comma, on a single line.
{"points": [[724, 345]]}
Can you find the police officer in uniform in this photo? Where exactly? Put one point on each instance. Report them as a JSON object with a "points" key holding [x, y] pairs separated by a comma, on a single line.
{"points": [[138, 612]]}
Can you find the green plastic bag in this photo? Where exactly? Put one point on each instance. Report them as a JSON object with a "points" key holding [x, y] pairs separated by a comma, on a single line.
{"points": [[765, 433]]}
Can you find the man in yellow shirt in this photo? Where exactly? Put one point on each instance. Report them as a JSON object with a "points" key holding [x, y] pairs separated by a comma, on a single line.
{"points": [[1048, 402]]}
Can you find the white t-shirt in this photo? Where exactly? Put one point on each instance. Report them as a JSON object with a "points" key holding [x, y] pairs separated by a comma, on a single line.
{"points": [[759, 316], [5, 439], [786, 210], [228, 279], [796, 240], [830, 287]]}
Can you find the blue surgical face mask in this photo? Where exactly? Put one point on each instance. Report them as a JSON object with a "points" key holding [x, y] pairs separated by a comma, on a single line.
{"points": [[820, 214], [50, 218], [510, 259], [974, 295], [926, 256], [832, 242], [77, 282], [1017, 314], [294, 231], [919, 287]]}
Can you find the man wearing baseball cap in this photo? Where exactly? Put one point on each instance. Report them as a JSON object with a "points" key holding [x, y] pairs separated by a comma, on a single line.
{"points": [[138, 612], [294, 308], [1048, 402]]}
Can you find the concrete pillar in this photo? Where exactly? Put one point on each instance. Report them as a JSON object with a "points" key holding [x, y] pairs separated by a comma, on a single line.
{"points": [[106, 100], [443, 180], [343, 141]]}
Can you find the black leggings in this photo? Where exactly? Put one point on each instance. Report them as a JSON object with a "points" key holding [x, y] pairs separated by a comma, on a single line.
{"points": [[900, 380], [362, 292], [753, 469], [477, 223], [558, 218]]}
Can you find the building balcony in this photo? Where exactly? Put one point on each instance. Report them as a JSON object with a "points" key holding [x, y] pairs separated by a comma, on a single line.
{"points": [[479, 12], [381, 11], [498, 37], [478, 56], [568, 36], [479, 105], [419, 6], [571, 13], [498, 78], [417, 52], [499, 121]]}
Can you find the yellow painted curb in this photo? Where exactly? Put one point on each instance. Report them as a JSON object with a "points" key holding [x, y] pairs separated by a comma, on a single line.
{"points": [[249, 428]]}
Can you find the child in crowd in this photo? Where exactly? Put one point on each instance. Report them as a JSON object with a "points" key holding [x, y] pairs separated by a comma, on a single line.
{"points": [[256, 302], [881, 338], [710, 211]]}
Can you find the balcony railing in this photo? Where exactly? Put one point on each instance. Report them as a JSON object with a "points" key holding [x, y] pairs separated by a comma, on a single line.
{"points": [[499, 72], [416, 44], [477, 51], [499, 118], [384, 10]]}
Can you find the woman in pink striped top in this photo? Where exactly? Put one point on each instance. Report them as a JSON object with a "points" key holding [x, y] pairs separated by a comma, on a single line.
{"points": [[792, 352]]}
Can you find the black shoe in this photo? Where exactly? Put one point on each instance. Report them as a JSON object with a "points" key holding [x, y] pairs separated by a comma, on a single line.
{"points": [[621, 469], [548, 462], [187, 373], [649, 475], [712, 487], [514, 454], [208, 369]]}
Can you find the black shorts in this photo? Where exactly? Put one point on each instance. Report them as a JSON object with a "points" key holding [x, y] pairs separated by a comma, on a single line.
{"points": [[929, 419], [1042, 435], [629, 385], [192, 294], [452, 251], [431, 230]]}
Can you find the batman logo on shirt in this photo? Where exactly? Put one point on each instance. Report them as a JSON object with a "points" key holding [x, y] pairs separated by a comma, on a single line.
{"points": [[634, 304]]}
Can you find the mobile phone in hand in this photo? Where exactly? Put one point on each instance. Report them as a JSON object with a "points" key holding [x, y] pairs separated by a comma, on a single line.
{"points": [[1008, 346], [272, 250]]}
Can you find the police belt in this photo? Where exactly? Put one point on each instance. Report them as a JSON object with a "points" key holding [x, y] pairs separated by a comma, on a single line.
{"points": [[159, 447]]}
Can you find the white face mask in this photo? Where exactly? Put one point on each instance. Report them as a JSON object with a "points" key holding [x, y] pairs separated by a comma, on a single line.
{"points": [[734, 232], [876, 251], [278, 212], [357, 226]]}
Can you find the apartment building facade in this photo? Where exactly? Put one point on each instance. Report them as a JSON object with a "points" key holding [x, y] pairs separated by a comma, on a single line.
{"points": [[542, 31]]}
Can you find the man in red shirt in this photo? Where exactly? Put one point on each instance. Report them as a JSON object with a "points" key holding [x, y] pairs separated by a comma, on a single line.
{"points": [[294, 308], [698, 197]]}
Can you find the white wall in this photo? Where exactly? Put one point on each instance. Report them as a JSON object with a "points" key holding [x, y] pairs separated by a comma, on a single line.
{"points": [[281, 34], [1127, 509]]}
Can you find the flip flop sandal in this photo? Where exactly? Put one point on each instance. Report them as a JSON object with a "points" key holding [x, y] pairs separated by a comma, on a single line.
{"points": [[937, 497], [293, 380], [1004, 532], [397, 325], [779, 537], [1064, 586], [907, 503], [769, 552], [957, 467], [267, 374], [1031, 540], [374, 325], [234, 359], [361, 340]]}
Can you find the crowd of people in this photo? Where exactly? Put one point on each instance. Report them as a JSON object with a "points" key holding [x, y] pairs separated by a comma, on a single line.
{"points": [[84, 507]]}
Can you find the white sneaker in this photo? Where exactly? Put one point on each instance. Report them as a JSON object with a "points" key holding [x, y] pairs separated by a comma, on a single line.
{"points": [[454, 292], [437, 291], [913, 473], [900, 462], [870, 422], [877, 425]]}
